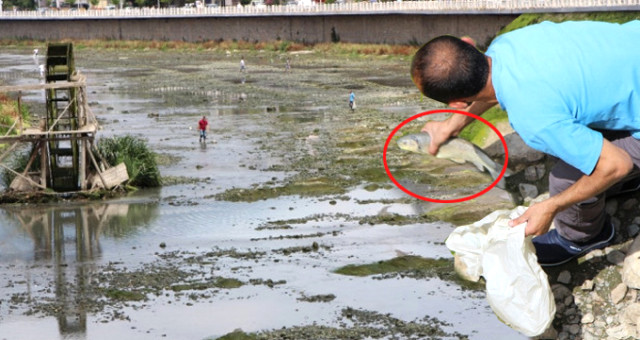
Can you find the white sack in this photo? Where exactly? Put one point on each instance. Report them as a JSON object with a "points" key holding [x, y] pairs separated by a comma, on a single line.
{"points": [[518, 290]]}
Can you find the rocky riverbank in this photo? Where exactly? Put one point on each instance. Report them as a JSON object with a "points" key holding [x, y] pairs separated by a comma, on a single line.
{"points": [[597, 295]]}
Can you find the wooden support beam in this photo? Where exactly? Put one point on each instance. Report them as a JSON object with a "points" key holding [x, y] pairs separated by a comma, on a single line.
{"points": [[95, 164], [83, 165], [45, 86], [24, 177]]}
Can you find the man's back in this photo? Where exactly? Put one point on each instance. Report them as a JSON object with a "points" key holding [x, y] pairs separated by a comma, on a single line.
{"points": [[558, 80]]}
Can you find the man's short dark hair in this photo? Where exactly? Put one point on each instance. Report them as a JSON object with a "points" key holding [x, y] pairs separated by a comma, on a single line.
{"points": [[447, 68]]}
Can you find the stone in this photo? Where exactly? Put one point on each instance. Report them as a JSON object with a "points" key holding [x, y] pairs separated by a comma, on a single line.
{"points": [[563, 336], [590, 336], [618, 293], [632, 294], [622, 331], [633, 229], [588, 318], [574, 329], [519, 151], [568, 300], [611, 207], [534, 172], [632, 314], [571, 313], [594, 254], [631, 266], [560, 292], [616, 257], [528, 190], [630, 204], [564, 277], [587, 285]]}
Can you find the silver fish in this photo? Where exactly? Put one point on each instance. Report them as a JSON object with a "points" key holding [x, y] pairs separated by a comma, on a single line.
{"points": [[455, 149]]}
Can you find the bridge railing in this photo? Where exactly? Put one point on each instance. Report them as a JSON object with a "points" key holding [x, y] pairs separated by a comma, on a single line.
{"points": [[435, 6]]}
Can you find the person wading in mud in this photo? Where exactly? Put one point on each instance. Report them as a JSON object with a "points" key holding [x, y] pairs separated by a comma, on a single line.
{"points": [[571, 90], [202, 127]]}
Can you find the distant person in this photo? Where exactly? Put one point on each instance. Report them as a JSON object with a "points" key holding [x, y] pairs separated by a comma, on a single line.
{"points": [[35, 52], [352, 101], [287, 66], [202, 127], [242, 65]]}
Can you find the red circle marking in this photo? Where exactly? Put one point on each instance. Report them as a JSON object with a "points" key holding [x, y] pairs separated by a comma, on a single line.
{"points": [[504, 166]]}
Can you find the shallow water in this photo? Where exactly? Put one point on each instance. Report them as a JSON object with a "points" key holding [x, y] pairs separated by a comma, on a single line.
{"points": [[161, 96]]}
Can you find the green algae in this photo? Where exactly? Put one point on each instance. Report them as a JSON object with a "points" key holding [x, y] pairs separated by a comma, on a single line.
{"points": [[411, 266], [534, 18], [317, 298], [477, 132], [124, 295], [357, 324], [466, 212], [306, 188], [220, 282], [395, 219], [397, 264]]}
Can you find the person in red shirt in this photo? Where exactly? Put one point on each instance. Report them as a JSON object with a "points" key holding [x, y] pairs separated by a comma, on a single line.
{"points": [[202, 126]]}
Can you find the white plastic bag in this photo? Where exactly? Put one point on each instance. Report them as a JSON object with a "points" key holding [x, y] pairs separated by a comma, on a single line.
{"points": [[518, 290]]}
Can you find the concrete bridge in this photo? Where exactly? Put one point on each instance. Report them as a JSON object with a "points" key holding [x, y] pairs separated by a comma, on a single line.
{"points": [[362, 22]]}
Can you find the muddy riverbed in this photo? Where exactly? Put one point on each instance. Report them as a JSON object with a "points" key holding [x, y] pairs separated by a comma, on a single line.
{"points": [[250, 228]]}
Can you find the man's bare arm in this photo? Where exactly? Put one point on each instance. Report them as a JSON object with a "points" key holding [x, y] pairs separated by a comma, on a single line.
{"points": [[443, 130]]}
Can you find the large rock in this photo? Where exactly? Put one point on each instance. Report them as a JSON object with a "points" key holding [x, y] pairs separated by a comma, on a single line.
{"points": [[631, 267], [519, 152]]}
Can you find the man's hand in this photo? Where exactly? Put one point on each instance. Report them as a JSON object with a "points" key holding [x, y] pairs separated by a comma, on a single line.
{"points": [[538, 217], [613, 165], [439, 134], [441, 131]]}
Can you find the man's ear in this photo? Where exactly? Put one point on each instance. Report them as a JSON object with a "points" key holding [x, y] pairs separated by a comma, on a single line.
{"points": [[459, 105], [468, 40]]}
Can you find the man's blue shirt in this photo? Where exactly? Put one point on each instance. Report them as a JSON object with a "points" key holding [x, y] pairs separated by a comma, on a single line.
{"points": [[559, 83]]}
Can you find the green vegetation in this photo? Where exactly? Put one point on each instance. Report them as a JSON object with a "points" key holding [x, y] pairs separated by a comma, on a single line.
{"points": [[238, 335], [139, 159], [477, 132], [9, 113], [534, 18], [280, 46]]}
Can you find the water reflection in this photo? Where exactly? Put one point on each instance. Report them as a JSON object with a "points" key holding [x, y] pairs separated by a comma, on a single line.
{"points": [[67, 239]]}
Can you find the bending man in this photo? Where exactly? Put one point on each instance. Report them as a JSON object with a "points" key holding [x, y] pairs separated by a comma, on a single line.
{"points": [[571, 90]]}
